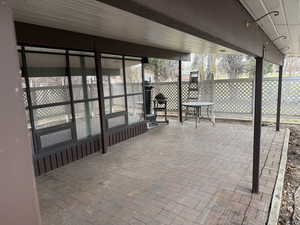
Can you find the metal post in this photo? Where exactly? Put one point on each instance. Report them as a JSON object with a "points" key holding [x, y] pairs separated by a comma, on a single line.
{"points": [[125, 89], [279, 98], [143, 87], [103, 122], [257, 123], [68, 74], [180, 91]]}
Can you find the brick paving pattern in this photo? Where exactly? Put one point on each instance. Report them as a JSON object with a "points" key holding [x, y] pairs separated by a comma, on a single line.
{"points": [[172, 175]]}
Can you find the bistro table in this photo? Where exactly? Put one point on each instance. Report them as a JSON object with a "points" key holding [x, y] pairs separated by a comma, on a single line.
{"points": [[197, 106]]}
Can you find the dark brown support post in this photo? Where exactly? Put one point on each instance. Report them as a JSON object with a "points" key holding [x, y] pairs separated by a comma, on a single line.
{"points": [[279, 98], [143, 85], [103, 124], [257, 123], [125, 89], [180, 91], [68, 74]]}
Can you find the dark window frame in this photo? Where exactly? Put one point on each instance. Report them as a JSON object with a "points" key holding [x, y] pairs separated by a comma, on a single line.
{"points": [[38, 132], [125, 95], [100, 96]]}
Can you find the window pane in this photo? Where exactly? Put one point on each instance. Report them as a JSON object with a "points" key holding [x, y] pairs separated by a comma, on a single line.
{"points": [[84, 88], [113, 105], [56, 137], [52, 116], [84, 80], [47, 90], [27, 117], [106, 89], [112, 77], [40, 65], [81, 65], [135, 108], [87, 119], [116, 121], [48, 81], [133, 76]]}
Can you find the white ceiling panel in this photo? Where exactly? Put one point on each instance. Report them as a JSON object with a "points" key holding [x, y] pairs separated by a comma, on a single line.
{"points": [[287, 23], [96, 18], [292, 8]]}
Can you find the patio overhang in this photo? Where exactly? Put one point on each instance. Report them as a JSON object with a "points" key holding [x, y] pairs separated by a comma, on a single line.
{"points": [[225, 26], [94, 24], [35, 35]]}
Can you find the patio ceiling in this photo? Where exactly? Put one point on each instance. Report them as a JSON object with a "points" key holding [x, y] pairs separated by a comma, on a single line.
{"points": [[287, 23], [222, 22], [99, 19]]}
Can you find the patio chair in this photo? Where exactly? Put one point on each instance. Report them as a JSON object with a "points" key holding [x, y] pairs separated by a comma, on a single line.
{"points": [[160, 105]]}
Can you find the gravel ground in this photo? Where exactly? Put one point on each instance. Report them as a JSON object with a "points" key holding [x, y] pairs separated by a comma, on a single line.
{"points": [[290, 206]]}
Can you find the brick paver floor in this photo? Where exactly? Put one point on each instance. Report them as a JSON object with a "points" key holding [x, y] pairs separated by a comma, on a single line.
{"points": [[171, 175]]}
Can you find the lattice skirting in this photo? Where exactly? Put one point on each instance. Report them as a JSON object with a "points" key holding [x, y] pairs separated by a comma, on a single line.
{"points": [[49, 161]]}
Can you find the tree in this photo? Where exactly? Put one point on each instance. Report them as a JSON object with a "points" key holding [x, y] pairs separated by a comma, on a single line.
{"points": [[249, 67], [292, 65], [233, 65], [164, 70], [267, 68]]}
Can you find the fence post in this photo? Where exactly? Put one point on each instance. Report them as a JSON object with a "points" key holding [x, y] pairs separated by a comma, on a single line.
{"points": [[279, 98], [257, 124]]}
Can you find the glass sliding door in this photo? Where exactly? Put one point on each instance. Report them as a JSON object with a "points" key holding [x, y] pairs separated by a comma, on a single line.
{"points": [[61, 96], [50, 97], [85, 94], [134, 87], [114, 90], [122, 79]]}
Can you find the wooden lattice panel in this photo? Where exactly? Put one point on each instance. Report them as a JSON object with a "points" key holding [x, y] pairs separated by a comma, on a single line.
{"points": [[269, 96], [291, 97], [169, 90], [233, 96]]}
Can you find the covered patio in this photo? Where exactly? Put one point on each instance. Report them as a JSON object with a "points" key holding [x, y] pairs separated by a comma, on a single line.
{"points": [[75, 143], [173, 174]]}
